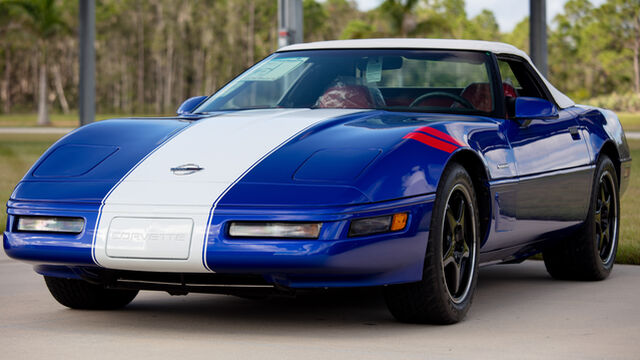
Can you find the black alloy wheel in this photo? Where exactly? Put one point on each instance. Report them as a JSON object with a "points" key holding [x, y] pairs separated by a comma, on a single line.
{"points": [[606, 217], [590, 253], [450, 271], [459, 245]]}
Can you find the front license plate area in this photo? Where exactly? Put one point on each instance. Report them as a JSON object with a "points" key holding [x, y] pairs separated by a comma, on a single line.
{"points": [[149, 238]]}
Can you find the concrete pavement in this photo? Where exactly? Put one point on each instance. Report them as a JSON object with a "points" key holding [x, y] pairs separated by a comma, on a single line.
{"points": [[632, 135], [34, 130], [518, 313]]}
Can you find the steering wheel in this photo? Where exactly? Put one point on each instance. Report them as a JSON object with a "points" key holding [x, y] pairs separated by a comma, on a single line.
{"points": [[457, 98]]}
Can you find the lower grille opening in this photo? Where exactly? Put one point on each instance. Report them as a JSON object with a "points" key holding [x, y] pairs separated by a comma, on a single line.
{"points": [[183, 283]]}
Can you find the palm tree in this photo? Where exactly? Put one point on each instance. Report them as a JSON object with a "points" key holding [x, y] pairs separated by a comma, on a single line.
{"points": [[44, 19]]}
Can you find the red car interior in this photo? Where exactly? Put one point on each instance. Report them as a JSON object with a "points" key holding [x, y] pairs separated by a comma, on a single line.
{"points": [[478, 94], [361, 97], [346, 97]]}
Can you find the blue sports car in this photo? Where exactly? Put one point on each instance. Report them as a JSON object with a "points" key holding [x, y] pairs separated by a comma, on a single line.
{"points": [[402, 163]]}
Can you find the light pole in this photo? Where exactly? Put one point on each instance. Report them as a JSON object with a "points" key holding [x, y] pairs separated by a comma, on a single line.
{"points": [[538, 34], [290, 22]]}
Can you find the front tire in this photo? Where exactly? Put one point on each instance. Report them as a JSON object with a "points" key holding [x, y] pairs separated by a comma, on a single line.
{"points": [[79, 294], [590, 254], [450, 273]]}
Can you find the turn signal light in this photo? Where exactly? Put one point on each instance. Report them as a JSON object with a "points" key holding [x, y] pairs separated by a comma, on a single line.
{"points": [[378, 224], [399, 221]]}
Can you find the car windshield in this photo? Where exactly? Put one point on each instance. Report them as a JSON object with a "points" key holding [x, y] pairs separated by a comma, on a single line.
{"points": [[396, 80]]}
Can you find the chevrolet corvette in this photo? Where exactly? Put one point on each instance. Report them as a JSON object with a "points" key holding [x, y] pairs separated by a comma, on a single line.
{"points": [[400, 163]]}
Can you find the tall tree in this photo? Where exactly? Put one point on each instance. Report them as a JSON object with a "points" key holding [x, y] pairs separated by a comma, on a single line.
{"points": [[339, 14], [483, 27], [315, 20], [152, 54], [401, 14], [44, 18], [358, 29], [623, 18], [5, 92]]}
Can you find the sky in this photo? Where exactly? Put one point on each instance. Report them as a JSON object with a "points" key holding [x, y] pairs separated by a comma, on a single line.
{"points": [[508, 12]]}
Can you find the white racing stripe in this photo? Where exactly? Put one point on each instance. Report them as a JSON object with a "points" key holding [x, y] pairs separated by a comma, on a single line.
{"points": [[226, 147]]}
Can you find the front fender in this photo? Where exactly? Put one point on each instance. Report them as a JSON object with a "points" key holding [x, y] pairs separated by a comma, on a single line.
{"points": [[414, 166]]}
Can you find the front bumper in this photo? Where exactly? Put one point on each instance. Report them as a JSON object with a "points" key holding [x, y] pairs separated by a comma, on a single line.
{"points": [[333, 260]]}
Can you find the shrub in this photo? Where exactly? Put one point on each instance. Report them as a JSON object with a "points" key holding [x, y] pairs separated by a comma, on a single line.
{"points": [[628, 102]]}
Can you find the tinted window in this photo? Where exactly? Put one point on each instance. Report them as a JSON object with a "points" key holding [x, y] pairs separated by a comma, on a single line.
{"points": [[517, 74], [402, 80]]}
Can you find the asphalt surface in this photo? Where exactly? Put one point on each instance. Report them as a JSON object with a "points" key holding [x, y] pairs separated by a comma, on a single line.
{"points": [[34, 130], [518, 313]]}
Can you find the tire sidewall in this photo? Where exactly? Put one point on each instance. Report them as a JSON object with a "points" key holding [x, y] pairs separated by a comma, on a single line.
{"points": [[454, 175], [604, 165]]}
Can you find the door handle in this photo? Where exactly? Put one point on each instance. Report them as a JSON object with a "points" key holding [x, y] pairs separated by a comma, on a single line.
{"points": [[575, 132]]}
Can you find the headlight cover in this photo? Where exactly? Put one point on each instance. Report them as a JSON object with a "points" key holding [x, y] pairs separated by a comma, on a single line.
{"points": [[378, 224], [292, 230], [52, 224]]}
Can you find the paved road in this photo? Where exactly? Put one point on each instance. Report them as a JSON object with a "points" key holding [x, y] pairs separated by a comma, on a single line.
{"points": [[633, 135], [519, 313], [34, 130]]}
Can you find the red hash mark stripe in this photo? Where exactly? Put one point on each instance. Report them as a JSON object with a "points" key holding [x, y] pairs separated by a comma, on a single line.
{"points": [[439, 134], [433, 142]]}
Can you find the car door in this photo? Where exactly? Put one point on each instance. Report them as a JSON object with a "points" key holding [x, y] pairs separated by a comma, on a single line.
{"points": [[552, 162]]}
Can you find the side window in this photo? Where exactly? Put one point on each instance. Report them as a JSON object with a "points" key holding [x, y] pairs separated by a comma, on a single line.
{"points": [[507, 75], [516, 74]]}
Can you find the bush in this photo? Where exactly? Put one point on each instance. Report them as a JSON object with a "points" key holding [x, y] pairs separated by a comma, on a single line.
{"points": [[629, 102]]}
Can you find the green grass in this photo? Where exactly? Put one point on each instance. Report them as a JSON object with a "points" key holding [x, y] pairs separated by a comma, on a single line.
{"points": [[630, 121], [57, 120], [629, 248], [19, 152]]}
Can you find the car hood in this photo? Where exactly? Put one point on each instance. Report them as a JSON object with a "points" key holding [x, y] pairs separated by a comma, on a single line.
{"points": [[275, 157]]}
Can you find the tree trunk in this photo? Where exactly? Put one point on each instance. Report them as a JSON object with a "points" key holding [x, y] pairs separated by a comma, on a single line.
{"points": [[60, 90], [158, 87], [209, 86], [251, 33], [43, 111], [140, 89], [196, 87], [116, 84], [124, 89], [35, 71], [636, 66], [6, 90], [168, 89]]}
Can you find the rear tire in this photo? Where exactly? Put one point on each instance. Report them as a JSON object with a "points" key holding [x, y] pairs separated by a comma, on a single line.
{"points": [[79, 294], [590, 254], [450, 273]]}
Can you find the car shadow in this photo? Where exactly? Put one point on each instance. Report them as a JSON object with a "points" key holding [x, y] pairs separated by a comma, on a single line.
{"points": [[501, 288]]}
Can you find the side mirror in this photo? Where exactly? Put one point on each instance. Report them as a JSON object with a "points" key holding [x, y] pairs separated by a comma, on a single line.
{"points": [[534, 108], [189, 105]]}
